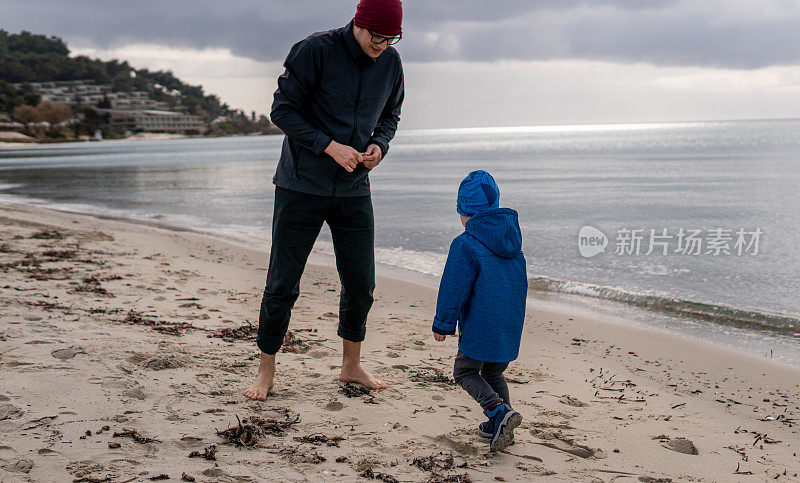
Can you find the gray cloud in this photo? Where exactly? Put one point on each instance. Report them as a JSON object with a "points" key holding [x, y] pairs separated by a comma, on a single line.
{"points": [[718, 33]]}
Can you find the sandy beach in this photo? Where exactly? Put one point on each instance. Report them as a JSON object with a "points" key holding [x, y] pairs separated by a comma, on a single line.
{"points": [[124, 351]]}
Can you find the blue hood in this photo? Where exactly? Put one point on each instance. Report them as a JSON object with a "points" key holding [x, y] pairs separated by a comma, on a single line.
{"points": [[498, 229]]}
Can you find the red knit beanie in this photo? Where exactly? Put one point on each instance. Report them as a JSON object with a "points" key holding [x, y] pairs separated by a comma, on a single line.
{"points": [[380, 16]]}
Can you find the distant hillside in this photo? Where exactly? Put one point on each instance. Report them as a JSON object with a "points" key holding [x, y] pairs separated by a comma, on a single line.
{"points": [[27, 57]]}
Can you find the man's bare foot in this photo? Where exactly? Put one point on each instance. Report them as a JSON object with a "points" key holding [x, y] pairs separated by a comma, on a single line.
{"points": [[351, 367], [358, 375], [265, 379]]}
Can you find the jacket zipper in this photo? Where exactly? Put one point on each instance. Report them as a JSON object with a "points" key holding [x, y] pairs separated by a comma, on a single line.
{"points": [[355, 107], [355, 119]]}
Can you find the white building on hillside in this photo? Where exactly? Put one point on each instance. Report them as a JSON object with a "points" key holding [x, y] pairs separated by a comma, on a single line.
{"points": [[154, 121]]}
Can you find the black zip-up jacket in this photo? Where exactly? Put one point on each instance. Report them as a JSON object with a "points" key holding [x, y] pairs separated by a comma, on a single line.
{"points": [[332, 90]]}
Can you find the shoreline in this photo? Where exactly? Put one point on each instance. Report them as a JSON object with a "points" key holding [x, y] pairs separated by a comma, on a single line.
{"points": [[143, 137], [144, 328], [608, 309]]}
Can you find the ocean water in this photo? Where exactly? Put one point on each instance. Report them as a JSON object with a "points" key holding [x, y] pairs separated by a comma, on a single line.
{"points": [[733, 184]]}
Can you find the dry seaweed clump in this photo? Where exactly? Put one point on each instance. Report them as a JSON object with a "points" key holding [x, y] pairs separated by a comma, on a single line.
{"points": [[434, 462], [209, 453], [354, 390], [91, 285], [47, 235], [432, 377], [56, 255], [450, 479], [357, 390], [295, 456], [135, 436], [373, 475], [320, 439], [293, 343], [441, 462], [243, 332], [171, 328], [248, 431]]}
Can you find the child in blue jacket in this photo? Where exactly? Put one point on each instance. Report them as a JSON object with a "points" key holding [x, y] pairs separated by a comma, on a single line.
{"points": [[484, 287]]}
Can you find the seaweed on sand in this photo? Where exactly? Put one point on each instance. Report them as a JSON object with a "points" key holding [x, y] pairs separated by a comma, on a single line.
{"points": [[135, 436], [171, 328], [372, 475], [293, 343], [432, 377], [320, 439], [248, 431], [228, 334]]}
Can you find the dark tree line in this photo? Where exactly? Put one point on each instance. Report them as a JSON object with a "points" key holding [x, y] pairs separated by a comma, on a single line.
{"points": [[12, 97], [27, 57]]}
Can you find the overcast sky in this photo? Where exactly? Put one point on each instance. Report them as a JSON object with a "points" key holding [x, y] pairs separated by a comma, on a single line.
{"points": [[473, 62]]}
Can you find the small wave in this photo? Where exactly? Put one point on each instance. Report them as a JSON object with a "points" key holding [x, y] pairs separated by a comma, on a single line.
{"points": [[722, 314]]}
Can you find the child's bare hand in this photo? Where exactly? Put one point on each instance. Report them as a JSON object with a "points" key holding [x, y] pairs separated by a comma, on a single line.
{"points": [[439, 337]]}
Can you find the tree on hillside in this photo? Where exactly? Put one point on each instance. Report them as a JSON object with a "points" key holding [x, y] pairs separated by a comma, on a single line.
{"points": [[11, 97], [45, 111], [28, 42], [27, 114], [92, 121], [54, 113]]}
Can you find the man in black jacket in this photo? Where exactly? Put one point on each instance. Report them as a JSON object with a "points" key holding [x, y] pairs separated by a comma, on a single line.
{"points": [[338, 102]]}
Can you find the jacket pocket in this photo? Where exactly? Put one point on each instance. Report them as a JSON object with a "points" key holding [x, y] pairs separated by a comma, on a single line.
{"points": [[315, 170]]}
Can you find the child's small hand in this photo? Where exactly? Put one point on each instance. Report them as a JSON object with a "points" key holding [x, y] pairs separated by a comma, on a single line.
{"points": [[439, 337]]}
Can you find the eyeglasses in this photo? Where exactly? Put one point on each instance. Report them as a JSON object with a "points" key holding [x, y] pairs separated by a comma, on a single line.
{"points": [[379, 39]]}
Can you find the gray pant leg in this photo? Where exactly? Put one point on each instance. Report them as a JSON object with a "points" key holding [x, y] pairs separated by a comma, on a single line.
{"points": [[492, 373], [466, 371]]}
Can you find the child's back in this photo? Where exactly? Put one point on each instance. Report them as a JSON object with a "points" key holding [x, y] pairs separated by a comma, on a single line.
{"points": [[484, 287]]}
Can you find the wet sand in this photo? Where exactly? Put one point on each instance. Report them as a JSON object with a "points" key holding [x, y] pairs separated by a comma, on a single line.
{"points": [[124, 350]]}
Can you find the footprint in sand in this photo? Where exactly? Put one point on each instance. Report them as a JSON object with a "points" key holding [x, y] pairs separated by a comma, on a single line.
{"points": [[190, 442], [334, 406], [9, 411], [135, 393], [560, 442], [21, 466], [571, 401], [397, 347], [81, 469], [679, 445], [7, 453], [159, 362], [463, 447], [65, 354]]}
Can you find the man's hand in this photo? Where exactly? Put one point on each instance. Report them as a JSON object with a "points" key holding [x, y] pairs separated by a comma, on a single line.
{"points": [[372, 156], [345, 156], [439, 337]]}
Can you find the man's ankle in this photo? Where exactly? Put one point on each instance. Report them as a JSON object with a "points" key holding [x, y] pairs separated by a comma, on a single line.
{"points": [[348, 365]]}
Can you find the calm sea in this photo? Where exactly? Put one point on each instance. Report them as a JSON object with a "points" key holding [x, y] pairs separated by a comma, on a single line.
{"points": [[732, 186]]}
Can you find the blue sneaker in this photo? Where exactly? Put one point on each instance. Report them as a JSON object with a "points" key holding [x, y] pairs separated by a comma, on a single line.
{"points": [[503, 420], [485, 430]]}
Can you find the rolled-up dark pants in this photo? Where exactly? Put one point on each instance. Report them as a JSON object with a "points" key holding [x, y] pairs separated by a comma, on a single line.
{"points": [[484, 381], [296, 223]]}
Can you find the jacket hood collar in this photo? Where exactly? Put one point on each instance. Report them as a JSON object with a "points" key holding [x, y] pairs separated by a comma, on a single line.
{"points": [[498, 230], [352, 44]]}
